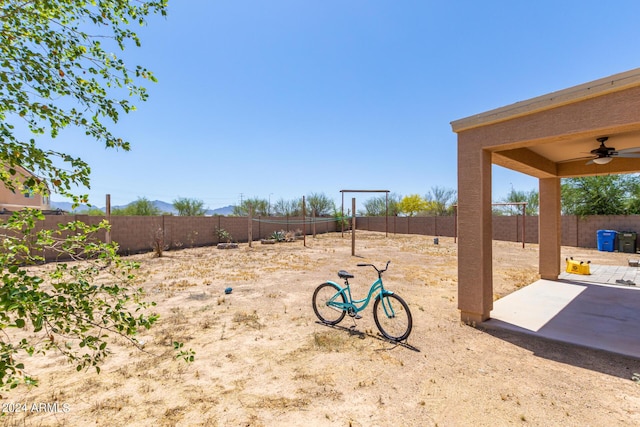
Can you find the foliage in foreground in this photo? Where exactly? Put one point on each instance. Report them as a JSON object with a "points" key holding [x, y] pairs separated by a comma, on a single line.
{"points": [[68, 307], [59, 69]]}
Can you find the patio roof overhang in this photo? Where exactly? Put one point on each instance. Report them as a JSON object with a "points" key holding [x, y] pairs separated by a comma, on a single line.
{"points": [[518, 138], [549, 137]]}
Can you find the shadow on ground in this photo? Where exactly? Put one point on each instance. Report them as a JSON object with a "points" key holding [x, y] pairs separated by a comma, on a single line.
{"points": [[571, 354], [353, 331]]}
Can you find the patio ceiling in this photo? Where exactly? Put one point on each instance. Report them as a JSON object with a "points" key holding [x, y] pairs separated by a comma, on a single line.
{"points": [[568, 158]]}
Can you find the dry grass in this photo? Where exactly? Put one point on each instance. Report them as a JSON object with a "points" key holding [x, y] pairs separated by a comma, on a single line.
{"points": [[263, 360]]}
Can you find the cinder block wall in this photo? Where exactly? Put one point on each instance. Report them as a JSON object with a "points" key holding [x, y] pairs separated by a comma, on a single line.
{"points": [[135, 234], [430, 226], [509, 228], [576, 231]]}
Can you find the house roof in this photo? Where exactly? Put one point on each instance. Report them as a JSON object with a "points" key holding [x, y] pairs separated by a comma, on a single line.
{"points": [[614, 83]]}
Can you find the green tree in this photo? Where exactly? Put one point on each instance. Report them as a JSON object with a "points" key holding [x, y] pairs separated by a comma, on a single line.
{"points": [[189, 207], [377, 206], [92, 212], [319, 203], [531, 198], [599, 195], [633, 202], [259, 207], [413, 204], [284, 207], [441, 200], [140, 207], [59, 69]]}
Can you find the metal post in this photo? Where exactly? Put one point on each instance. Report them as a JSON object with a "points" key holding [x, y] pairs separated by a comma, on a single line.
{"points": [[386, 215], [353, 227], [107, 236], [250, 229], [524, 221], [455, 224], [342, 216], [304, 223]]}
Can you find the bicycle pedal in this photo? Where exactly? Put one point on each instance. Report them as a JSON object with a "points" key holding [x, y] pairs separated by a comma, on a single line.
{"points": [[357, 316]]}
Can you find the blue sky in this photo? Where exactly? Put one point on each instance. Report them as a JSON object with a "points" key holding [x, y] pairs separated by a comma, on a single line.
{"points": [[277, 99]]}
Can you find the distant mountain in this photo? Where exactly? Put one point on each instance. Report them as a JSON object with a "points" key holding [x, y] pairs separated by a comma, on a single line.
{"points": [[66, 206], [227, 210], [162, 206]]}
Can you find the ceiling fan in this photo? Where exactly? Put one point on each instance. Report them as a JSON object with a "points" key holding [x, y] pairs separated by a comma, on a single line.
{"points": [[604, 154]]}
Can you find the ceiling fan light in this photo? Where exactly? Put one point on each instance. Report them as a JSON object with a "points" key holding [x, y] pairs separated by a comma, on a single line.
{"points": [[602, 160]]}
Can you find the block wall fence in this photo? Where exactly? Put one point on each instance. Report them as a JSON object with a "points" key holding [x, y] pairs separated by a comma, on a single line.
{"points": [[135, 234], [576, 231]]}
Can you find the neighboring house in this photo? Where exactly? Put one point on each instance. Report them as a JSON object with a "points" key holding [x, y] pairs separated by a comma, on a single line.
{"points": [[22, 197]]}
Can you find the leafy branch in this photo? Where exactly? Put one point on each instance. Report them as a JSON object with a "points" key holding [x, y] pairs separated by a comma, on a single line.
{"points": [[72, 308]]}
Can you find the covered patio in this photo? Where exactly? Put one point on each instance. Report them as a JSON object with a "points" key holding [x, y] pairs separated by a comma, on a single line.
{"points": [[584, 312], [549, 137]]}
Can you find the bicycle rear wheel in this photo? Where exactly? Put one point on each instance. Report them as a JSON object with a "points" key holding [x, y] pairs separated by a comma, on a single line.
{"points": [[323, 294], [392, 317]]}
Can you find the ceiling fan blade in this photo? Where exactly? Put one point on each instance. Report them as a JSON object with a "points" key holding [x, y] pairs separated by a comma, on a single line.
{"points": [[629, 150], [575, 159], [629, 155]]}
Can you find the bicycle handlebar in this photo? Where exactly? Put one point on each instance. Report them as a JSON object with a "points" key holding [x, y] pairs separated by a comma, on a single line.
{"points": [[375, 268]]}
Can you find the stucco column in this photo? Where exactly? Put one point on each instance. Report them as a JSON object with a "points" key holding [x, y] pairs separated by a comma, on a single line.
{"points": [[550, 228], [475, 281]]}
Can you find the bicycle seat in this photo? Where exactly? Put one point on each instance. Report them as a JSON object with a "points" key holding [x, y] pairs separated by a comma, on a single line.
{"points": [[345, 275]]}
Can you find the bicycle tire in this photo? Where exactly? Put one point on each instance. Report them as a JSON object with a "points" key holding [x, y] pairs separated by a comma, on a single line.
{"points": [[321, 296], [397, 327]]}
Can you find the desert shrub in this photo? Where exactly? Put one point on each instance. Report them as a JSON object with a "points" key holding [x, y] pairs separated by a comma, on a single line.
{"points": [[157, 242], [278, 236], [223, 235]]}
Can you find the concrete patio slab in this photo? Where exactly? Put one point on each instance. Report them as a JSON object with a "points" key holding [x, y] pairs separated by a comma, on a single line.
{"points": [[580, 311]]}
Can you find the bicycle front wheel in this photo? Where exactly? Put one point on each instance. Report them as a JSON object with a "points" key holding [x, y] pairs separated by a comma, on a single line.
{"points": [[392, 317], [322, 296]]}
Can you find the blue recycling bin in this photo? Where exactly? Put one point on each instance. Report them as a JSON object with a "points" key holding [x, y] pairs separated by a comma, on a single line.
{"points": [[606, 240]]}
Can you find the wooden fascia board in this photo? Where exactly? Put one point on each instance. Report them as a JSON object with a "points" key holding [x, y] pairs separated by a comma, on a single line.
{"points": [[580, 168], [556, 99], [525, 161]]}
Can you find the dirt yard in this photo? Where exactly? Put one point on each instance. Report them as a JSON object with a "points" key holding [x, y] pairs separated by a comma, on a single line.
{"points": [[262, 359]]}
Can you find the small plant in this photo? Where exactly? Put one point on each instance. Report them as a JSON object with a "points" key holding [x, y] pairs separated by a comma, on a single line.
{"points": [[157, 242], [224, 235], [225, 239], [251, 320], [186, 355], [278, 236], [290, 236]]}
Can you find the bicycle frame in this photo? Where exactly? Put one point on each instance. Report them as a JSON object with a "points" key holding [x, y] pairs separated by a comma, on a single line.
{"points": [[351, 306], [332, 302]]}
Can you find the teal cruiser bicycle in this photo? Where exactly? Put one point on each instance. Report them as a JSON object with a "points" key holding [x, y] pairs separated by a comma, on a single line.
{"points": [[331, 302]]}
